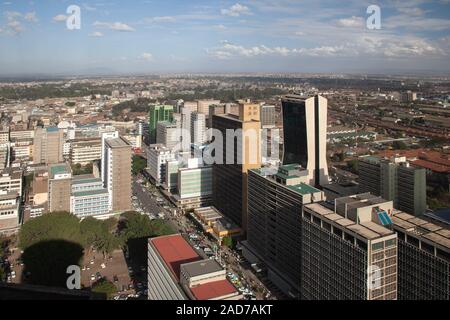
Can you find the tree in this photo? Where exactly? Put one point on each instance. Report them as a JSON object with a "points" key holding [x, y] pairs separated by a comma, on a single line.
{"points": [[139, 164], [97, 234], [399, 145], [135, 229], [228, 242], [104, 286], [52, 226], [353, 166]]}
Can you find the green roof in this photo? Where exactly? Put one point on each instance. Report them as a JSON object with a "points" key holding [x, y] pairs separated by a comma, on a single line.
{"points": [[86, 180], [90, 193], [59, 169]]}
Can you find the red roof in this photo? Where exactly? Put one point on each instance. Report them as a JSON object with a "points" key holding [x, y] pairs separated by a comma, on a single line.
{"points": [[175, 251], [213, 290]]}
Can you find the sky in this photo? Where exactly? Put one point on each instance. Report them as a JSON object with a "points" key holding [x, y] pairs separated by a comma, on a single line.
{"points": [[238, 36]]}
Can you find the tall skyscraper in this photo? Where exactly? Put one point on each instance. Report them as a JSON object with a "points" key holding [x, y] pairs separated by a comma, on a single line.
{"points": [[198, 128], [48, 145], [59, 187], [244, 152], [268, 115], [203, 106], [116, 174], [167, 133], [349, 253], [305, 135], [186, 113], [157, 114], [423, 258], [394, 179], [274, 223]]}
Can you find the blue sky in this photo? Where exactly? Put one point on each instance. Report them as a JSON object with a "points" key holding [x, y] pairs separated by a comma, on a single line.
{"points": [[152, 36]]}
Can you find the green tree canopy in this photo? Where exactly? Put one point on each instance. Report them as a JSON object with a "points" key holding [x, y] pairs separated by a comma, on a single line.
{"points": [[52, 226], [139, 164], [104, 286]]}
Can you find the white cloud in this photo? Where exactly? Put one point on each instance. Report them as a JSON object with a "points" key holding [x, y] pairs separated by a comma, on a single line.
{"points": [[60, 18], [236, 10], [382, 46], [117, 26], [146, 56], [162, 19], [220, 27], [96, 34], [15, 27], [12, 15], [31, 17], [351, 22]]}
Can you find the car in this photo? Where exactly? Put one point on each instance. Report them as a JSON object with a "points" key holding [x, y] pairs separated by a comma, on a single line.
{"points": [[115, 278], [103, 266], [92, 277], [91, 262]]}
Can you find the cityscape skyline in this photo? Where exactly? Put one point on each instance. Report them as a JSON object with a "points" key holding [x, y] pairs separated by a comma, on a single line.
{"points": [[226, 36]]}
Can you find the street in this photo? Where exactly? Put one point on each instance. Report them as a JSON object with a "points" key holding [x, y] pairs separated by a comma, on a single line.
{"points": [[145, 200]]}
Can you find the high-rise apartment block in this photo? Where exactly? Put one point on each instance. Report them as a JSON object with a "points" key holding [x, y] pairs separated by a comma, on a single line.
{"points": [[48, 145], [275, 200], [157, 158], [167, 133], [305, 135], [268, 116], [423, 258], [408, 96], [88, 197], [59, 187], [157, 114], [116, 174], [203, 106], [349, 253], [394, 179], [198, 128], [240, 152]]}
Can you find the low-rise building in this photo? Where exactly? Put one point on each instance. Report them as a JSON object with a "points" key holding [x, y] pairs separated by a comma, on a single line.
{"points": [[177, 272], [89, 198], [9, 212], [86, 151]]}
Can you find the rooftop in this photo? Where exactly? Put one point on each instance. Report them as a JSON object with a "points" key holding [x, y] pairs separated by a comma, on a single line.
{"points": [[437, 234], [198, 268], [175, 251], [271, 173], [85, 180], [59, 169], [368, 230], [213, 290], [90, 193], [117, 143]]}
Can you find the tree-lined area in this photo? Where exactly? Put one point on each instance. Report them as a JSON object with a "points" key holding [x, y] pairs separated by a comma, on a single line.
{"points": [[54, 241]]}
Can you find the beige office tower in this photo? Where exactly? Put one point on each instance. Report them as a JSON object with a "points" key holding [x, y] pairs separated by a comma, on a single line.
{"points": [[48, 145], [117, 174], [230, 179], [203, 106], [59, 187]]}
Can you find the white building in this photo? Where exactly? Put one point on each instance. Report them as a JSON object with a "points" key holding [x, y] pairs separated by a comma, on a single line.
{"points": [[9, 212], [198, 128], [158, 156]]}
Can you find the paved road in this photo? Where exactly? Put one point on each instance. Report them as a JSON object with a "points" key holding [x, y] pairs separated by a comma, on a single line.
{"points": [[148, 203], [183, 225]]}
